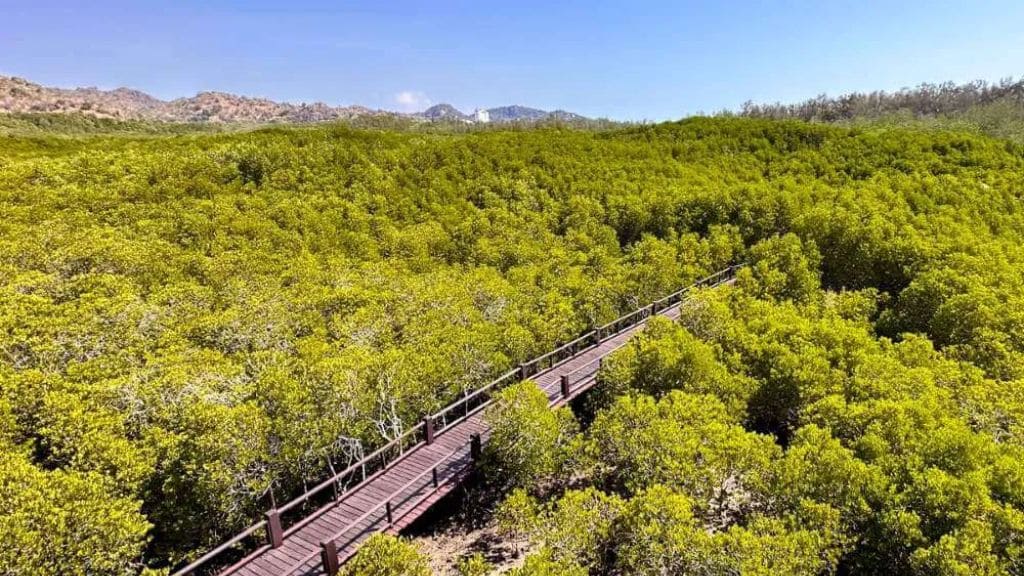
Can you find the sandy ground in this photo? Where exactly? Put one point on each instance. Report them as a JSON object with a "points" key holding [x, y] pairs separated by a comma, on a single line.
{"points": [[458, 526]]}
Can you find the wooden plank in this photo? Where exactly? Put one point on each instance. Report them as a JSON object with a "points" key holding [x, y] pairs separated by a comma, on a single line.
{"points": [[269, 563]]}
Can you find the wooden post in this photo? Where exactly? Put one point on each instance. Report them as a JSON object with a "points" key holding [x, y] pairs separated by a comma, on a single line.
{"points": [[522, 372], [428, 429], [433, 476], [329, 557], [387, 509], [565, 385], [275, 533], [475, 447]]}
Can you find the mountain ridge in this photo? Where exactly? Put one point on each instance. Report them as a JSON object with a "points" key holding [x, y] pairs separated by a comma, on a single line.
{"points": [[18, 95]]}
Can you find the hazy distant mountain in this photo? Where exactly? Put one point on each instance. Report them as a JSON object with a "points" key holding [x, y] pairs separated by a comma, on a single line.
{"points": [[565, 116], [20, 95], [443, 112], [515, 113], [500, 114]]}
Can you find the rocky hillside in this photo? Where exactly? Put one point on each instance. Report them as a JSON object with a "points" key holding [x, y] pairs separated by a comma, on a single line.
{"points": [[19, 95]]}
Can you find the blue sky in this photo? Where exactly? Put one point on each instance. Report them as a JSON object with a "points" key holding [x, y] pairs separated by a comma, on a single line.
{"points": [[626, 60]]}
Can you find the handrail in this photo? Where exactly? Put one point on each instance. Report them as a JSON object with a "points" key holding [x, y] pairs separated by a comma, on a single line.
{"points": [[599, 334], [597, 360], [411, 432], [234, 540], [567, 346], [361, 464], [384, 502], [475, 393], [569, 375], [465, 403]]}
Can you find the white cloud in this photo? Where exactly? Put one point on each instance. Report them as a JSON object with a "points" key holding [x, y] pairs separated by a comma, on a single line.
{"points": [[412, 101]]}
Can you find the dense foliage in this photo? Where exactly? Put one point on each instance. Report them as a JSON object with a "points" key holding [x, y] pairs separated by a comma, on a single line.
{"points": [[192, 323], [385, 555], [772, 431]]}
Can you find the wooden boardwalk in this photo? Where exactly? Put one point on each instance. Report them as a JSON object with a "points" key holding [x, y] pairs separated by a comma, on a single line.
{"points": [[408, 487], [391, 487]]}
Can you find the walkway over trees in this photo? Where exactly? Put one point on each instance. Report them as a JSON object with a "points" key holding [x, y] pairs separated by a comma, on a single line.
{"points": [[390, 488]]}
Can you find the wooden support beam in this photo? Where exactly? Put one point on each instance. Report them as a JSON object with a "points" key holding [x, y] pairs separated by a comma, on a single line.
{"points": [[564, 382], [275, 532], [428, 429], [387, 510], [475, 447], [329, 557]]}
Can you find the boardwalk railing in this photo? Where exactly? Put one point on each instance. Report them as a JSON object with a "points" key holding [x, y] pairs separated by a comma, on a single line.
{"points": [[372, 465], [427, 480]]}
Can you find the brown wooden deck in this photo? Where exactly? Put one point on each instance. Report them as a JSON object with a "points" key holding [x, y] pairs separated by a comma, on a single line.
{"points": [[400, 481]]}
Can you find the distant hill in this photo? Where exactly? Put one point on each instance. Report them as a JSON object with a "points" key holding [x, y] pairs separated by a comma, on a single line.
{"points": [[443, 112], [497, 115], [565, 116], [515, 113], [20, 96]]}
